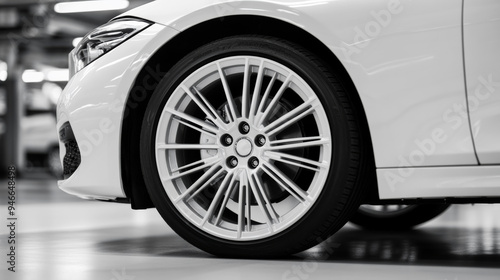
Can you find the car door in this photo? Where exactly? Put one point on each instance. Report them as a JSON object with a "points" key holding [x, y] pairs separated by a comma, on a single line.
{"points": [[482, 64], [410, 77]]}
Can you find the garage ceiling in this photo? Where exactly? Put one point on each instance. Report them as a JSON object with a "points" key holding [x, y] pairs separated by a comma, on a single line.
{"points": [[44, 36]]}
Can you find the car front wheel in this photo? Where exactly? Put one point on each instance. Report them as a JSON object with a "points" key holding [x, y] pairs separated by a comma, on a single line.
{"points": [[251, 147]]}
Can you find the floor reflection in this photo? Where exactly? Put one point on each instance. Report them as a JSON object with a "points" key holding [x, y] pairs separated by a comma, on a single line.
{"points": [[444, 246], [429, 246], [165, 245]]}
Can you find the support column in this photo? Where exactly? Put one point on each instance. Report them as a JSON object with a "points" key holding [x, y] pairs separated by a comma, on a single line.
{"points": [[11, 150]]}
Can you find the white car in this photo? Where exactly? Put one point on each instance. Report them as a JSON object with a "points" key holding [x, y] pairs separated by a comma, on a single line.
{"points": [[258, 128], [40, 142]]}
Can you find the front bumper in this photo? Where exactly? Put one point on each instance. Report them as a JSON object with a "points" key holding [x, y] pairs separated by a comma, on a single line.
{"points": [[93, 103]]}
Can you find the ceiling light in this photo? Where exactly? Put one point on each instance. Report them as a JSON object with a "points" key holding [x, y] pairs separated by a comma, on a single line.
{"points": [[57, 75], [32, 76], [90, 6], [3, 71]]}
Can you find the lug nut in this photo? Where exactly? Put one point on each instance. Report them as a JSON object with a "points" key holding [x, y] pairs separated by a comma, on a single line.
{"points": [[232, 161], [260, 140], [244, 128], [253, 162], [226, 140]]}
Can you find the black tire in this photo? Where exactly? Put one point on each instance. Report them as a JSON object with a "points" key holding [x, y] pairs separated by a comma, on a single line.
{"points": [[344, 187], [401, 219]]}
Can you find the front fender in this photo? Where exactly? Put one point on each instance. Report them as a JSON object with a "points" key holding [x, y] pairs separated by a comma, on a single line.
{"points": [[405, 62], [183, 15]]}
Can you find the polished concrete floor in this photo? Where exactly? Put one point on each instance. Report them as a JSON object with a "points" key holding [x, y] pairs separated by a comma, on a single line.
{"points": [[62, 237]]}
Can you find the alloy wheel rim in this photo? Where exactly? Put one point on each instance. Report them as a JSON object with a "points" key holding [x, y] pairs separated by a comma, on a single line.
{"points": [[243, 148]]}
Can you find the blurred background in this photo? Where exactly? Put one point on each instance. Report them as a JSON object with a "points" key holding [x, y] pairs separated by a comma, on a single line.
{"points": [[35, 39], [64, 237]]}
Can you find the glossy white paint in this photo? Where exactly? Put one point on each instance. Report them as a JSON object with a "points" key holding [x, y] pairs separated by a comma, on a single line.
{"points": [[408, 70], [405, 60], [482, 61], [93, 102], [437, 182]]}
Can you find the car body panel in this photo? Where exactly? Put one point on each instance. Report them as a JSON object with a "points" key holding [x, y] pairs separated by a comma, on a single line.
{"points": [[95, 110], [439, 182], [408, 72], [482, 64], [38, 133], [405, 61]]}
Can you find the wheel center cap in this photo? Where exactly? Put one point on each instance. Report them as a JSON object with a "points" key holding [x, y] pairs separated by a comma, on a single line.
{"points": [[243, 147]]}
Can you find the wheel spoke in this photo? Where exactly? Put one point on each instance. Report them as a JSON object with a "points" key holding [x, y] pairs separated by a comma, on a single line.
{"points": [[207, 178], [244, 179], [262, 103], [205, 106], [163, 146], [246, 89], [286, 183], [290, 118], [241, 211], [227, 91], [297, 161], [300, 142], [275, 99], [198, 162], [256, 92], [210, 181], [227, 194], [263, 208], [215, 201], [206, 164], [269, 205], [193, 120], [195, 128]]}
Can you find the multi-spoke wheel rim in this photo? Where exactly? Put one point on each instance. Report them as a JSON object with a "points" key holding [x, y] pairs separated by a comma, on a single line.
{"points": [[243, 147]]}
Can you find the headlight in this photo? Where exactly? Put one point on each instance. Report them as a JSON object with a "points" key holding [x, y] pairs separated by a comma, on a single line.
{"points": [[103, 39]]}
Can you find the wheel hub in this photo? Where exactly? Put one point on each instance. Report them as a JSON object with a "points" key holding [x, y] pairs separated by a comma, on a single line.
{"points": [[243, 147]]}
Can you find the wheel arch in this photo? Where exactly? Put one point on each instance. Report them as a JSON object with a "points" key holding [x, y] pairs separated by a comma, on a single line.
{"points": [[195, 36]]}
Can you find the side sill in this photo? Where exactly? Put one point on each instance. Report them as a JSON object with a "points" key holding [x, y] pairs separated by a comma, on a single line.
{"points": [[467, 182]]}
